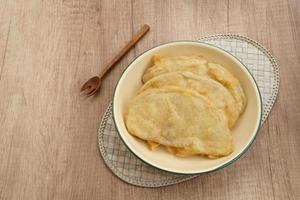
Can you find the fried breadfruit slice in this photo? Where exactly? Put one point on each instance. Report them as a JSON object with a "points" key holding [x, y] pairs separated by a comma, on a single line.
{"points": [[182, 118], [204, 85], [224, 77], [196, 64]]}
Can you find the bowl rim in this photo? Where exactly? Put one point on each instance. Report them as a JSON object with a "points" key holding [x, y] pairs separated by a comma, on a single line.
{"points": [[226, 163]]}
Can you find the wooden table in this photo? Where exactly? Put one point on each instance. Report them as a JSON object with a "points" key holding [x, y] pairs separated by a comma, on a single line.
{"points": [[48, 139]]}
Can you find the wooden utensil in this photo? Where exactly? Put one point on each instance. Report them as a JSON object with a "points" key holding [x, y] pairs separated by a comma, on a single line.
{"points": [[90, 87]]}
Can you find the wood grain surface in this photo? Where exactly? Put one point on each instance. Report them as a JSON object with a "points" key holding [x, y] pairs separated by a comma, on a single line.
{"points": [[48, 133]]}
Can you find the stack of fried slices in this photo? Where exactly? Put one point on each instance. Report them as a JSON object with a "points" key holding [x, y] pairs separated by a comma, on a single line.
{"points": [[187, 105]]}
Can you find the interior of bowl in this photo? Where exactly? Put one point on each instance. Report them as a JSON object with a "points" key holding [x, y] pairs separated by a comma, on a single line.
{"points": [[243, 132]]}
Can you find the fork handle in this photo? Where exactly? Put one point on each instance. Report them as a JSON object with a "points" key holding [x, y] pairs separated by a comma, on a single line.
{"points": [[125, 49]]}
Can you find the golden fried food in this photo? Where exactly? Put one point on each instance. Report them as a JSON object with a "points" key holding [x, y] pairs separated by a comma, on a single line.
{"points": [[152, 145], [195, 64], [182, 118], [223, 76], [187, 105], [206, 86]]}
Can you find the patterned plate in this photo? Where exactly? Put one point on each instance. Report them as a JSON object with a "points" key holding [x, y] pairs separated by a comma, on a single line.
{"points": [[130, 169]]}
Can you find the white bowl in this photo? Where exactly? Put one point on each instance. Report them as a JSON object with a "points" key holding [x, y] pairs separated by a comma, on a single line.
{"points": [[244, 131]]}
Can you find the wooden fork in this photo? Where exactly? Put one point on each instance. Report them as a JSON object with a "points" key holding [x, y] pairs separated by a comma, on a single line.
{"points": [[92, 86]]}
